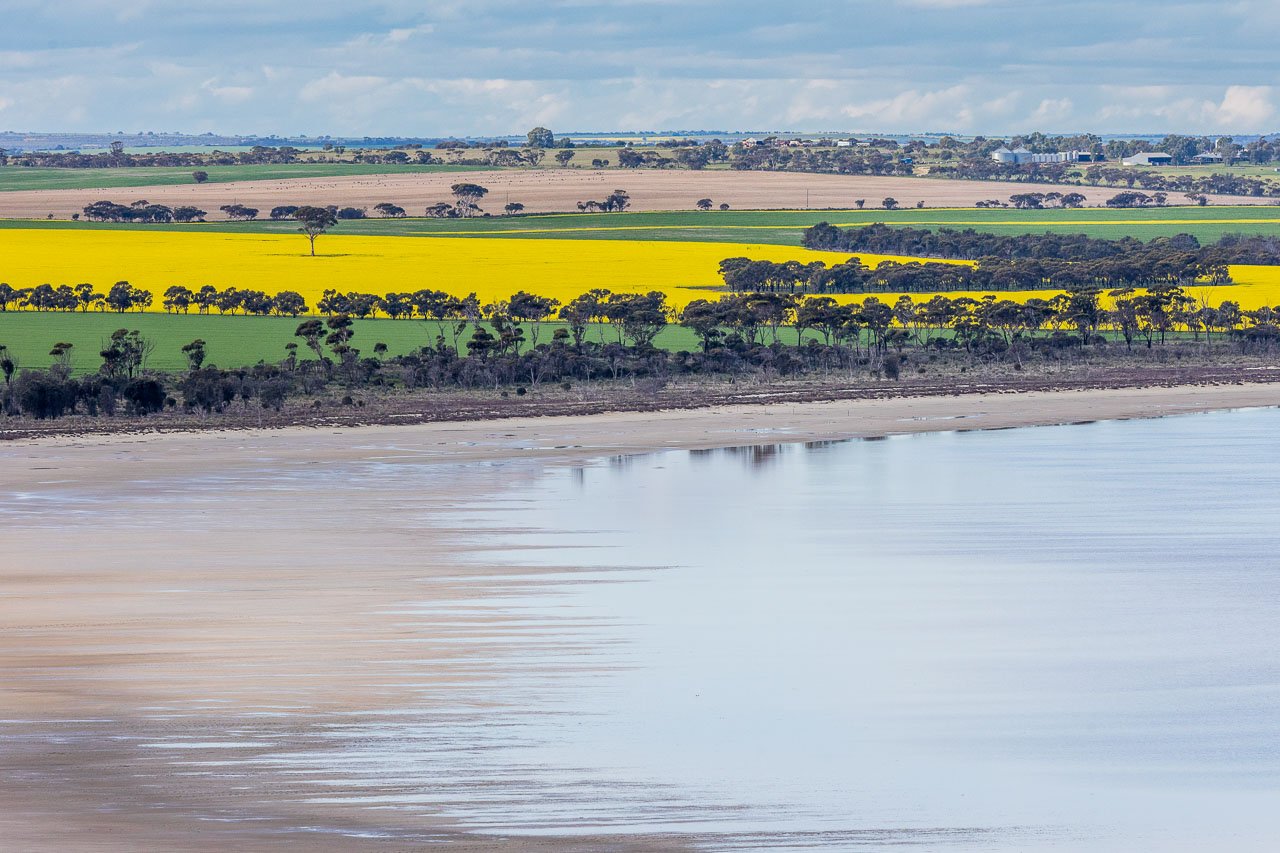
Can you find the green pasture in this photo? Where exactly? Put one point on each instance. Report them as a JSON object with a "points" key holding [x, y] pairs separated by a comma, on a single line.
{"points": [[783, 227], [36, 178], [1244, 170], [235, 341]]}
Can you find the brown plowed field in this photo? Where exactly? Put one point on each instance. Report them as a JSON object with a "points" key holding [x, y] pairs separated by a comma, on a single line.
{"points": [[557, 190]]}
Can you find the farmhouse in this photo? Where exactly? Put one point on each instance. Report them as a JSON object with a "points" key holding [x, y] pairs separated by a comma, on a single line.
{"points": [[1151, 158], [1208, 157]]}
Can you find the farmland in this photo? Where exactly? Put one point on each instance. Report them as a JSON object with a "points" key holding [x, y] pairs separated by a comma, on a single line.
{"points": [[558, 190], [782, 227], [231, 341], [15, 178], [559, 256], [493, 269]]}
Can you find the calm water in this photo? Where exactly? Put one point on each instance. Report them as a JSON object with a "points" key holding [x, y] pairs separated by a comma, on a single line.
{"points": [[1060, 638]]}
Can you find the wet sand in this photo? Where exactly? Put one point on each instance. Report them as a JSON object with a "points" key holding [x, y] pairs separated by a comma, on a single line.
{"points": [[171, 599], [95, 458]]}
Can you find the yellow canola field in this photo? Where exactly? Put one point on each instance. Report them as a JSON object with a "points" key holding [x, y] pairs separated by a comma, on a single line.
{"points": [[493, 268], [1255, 287]]}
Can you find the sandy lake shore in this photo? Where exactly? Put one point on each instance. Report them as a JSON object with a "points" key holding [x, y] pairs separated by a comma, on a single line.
{"points": [[577, 436], [166, 596]]}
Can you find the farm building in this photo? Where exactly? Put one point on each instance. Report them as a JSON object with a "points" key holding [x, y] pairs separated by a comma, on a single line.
{"points": [[1014, 157], [1208, 157], [1151, 158], [1018, 156]]}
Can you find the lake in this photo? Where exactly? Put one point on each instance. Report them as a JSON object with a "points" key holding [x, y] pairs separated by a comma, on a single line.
{"points": [[1044, 638]]}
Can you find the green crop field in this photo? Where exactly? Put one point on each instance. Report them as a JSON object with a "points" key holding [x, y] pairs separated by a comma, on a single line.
{"points": [[1244, 170], [782, 227], [231, 341], [35, 178]]}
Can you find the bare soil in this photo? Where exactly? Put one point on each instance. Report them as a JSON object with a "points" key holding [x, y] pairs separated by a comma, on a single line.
{"points": [[550, 190]]}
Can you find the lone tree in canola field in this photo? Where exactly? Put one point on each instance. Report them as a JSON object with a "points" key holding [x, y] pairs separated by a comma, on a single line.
{"points": [[315, 221]]}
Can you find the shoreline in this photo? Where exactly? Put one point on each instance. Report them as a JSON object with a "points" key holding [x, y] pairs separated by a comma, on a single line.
{"points": [[573, 437], [438, 408]]}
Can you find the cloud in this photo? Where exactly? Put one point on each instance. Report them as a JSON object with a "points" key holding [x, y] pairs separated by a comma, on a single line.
{"points": [[1245, 107], [945, 4], [950, 106], [1052, 110], [403, 34], [227, 94], [492, 66], [1241, 109]]}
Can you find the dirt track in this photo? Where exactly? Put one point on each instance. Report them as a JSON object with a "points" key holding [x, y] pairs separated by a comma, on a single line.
{"points": [[557, 190]]}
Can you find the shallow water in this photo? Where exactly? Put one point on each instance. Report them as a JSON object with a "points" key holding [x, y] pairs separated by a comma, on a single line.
{"points": [[1054, 633], [1058, 638]]}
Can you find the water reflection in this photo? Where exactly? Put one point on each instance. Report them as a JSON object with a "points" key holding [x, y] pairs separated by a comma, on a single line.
{"points": [[1063, 629], [750, 456]]}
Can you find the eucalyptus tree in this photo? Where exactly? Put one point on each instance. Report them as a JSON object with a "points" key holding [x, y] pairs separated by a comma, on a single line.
{"points": [[315, 221]]}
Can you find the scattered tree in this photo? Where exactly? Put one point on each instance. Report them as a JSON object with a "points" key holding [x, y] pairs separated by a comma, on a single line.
{"points": [[467, 198], [315, 221], [540, 137]]}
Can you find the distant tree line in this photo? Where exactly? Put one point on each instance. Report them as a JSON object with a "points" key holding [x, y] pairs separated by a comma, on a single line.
{"points": [[986, 326], [834, 161], [988, 275], [123, 297], [970, 244], [142, 211], [118, 158], [146, 212]]}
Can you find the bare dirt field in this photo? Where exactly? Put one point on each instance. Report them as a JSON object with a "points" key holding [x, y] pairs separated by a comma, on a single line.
{"points": [[557, 190]]}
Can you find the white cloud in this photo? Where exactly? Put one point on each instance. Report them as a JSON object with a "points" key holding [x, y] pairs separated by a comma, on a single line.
{"points": [[227, 94], [1245, 107], [403, 34], [1240, 109], [1052, 111], [335, 88], [946, 4], [949, 107]]}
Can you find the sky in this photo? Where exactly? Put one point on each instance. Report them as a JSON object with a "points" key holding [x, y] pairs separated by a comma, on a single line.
{"points": [[477, 67]]}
